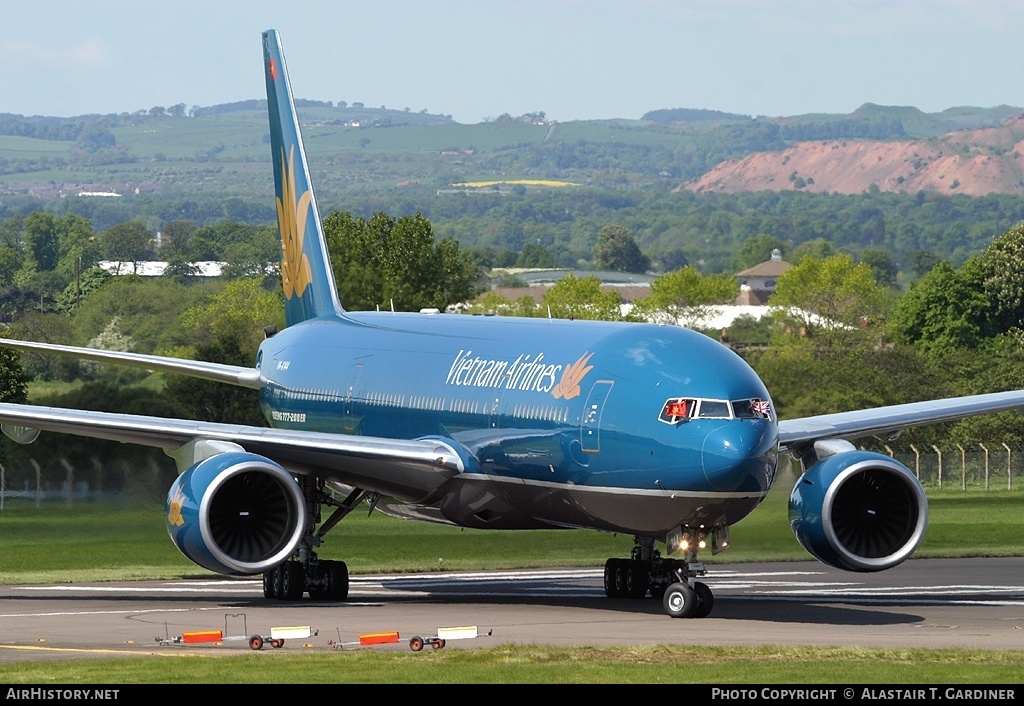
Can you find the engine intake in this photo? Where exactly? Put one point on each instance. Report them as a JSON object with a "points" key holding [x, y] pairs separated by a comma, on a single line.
{"points": [[859, 511], [236, 513]]}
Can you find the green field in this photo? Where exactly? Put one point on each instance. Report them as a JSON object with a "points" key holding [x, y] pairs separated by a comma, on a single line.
{"points": [[127, 540]]}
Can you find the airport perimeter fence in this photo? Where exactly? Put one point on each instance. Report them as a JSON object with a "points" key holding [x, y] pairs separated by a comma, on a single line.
{"points": [[87, 480], [982, 466], [978, 467]]}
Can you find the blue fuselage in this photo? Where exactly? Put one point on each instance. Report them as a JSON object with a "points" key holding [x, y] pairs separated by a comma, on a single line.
{"points": [[554, 430]]}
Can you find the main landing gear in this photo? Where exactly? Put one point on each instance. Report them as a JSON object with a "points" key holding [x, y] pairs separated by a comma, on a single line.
{"points": [[671, 580], [324, 580]]}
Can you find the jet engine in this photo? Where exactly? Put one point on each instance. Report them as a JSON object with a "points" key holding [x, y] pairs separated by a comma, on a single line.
{"points": [[858, 511], [236, 513]]}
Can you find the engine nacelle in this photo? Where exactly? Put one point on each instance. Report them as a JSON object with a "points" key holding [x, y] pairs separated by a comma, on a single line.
{"points": [[236, 513], [859, 511]]}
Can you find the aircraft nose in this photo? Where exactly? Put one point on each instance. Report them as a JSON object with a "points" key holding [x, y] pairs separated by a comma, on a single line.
{"points": [[738, 457]]}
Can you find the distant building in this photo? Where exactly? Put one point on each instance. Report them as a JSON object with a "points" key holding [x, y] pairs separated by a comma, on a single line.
{"points": [[206, 268], [757, 283]]}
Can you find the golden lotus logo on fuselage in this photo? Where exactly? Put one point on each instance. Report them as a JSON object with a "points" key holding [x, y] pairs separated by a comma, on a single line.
{"points": [[569, 386], [174, 517], [292, 212], [528, 372]]}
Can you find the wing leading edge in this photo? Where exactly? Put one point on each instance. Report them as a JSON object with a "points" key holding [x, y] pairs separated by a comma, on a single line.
{"points": [[883, 421], [405, 469]]}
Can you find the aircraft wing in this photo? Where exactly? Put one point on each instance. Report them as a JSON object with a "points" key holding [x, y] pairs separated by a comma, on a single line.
{"points": [[218, 372], [404, 469], [883, 421]]}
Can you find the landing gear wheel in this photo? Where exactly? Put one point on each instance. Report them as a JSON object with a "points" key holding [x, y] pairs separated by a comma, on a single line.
{"points": [[277, 644], [272, 583], [609, 578], [437, 644], [705, 599], [619, 578], [256, 642], [416, 644], [293, 580], [637, 579], [615, 577], [331, 582], [680, 600]]}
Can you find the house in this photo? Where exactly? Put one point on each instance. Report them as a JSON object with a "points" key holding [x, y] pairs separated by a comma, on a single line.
{"points": [[757, 283]]}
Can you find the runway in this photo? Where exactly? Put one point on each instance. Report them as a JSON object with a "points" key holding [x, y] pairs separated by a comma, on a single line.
{"points": [[930, 603]]}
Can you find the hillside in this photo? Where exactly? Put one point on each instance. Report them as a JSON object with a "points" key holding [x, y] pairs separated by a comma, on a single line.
{"points": [[974, 162]]}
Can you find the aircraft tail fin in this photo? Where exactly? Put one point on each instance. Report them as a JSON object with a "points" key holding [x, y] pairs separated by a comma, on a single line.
{"points": [[306, 273]]}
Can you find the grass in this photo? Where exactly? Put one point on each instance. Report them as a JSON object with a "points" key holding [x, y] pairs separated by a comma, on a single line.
{"points": [[127, 540], [519, 664]]}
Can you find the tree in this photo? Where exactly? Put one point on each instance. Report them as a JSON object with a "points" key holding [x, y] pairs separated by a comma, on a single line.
{"points": [[757, 250], [175, 240], [235, 316], [147, 309], [42, 240], [227, 329], [686, 297], [385, 261], [575, 297], [13, 381], [831, 301], [818, 247], [1000, 271], [79, 290], [942, 312], [95, 137], [883, 267], [494, 303], [127, 242], [616, 250], [921, 262], [79, 249], [535, 256]]}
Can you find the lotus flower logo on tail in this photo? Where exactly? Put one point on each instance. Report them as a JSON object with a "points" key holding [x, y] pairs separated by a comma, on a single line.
{"points": [[569, 386], [291, 217]]}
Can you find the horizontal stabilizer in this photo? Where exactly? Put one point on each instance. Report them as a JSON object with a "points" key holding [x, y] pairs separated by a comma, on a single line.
{"points": [[217, 372]]}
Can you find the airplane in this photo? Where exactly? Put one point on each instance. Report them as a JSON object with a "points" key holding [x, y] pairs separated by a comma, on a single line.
{"points": [[490, 422]]}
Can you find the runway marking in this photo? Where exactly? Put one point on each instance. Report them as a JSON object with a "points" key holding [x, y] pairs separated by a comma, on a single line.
{"points": [[108, 612], [96, 650]]}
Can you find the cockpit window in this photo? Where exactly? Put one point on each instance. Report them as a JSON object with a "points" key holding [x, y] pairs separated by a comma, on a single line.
{"points": [[682, 409], [713, 409], [677, 410], [751, 409]]}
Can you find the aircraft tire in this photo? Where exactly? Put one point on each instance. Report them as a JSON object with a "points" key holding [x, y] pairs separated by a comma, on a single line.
{"points": [[705, 599], [619, 577], [680, 600], [609, 578], [637, 578], [293, 580], [339, 580]]}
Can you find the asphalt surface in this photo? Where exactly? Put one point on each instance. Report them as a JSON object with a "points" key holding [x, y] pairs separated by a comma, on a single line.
{"points": [[931, 603]]}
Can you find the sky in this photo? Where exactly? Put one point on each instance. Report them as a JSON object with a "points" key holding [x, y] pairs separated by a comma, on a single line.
{"points": [[478, 59]]}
